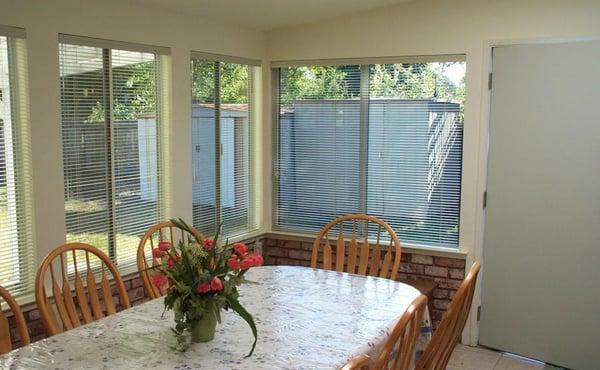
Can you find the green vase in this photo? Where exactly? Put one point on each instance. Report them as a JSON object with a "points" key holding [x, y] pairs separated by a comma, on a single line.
{"points": [[203, 330]]}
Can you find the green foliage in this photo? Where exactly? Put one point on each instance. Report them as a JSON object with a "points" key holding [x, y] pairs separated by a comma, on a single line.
{"points": [[319, 82], [399, 81], [134, 93], [234, 80]]}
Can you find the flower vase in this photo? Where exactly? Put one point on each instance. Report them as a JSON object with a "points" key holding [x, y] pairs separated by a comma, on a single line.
{"points": [[203, 330]]}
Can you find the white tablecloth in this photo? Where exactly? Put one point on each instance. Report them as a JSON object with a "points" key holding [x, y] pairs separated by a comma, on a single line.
{"points": [[306, 319]]}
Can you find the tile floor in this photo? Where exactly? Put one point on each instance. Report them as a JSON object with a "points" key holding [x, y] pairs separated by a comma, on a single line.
{"points": [[477, 358]]}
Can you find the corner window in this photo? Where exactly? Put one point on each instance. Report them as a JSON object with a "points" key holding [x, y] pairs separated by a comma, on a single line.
{"points": [[382, 139]]}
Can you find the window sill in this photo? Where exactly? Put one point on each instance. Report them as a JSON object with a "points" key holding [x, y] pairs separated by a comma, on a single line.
{"points": [[407, 248]]}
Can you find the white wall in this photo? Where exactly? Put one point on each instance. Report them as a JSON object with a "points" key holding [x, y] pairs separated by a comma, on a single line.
{"points": [[429, 27], [123, 21]]}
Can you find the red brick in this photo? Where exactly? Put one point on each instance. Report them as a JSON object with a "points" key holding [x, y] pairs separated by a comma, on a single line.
{"points": [[268, 242], [447, 283], [457, 273], [136, 283], [421, 259], [405, 257], [436, 315], [277, 252], [33, 315], [411, 268], [307, 246], [299, 254], [136, 294], [36, 328], [436, 271], [292, 244], [450, 262], [441, 304], [440, 293]]}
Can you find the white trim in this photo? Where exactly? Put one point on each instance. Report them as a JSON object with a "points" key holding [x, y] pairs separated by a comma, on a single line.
{"points": [[373, 60], [112, 44], [10, 31], [225, 58], [406, 248]]}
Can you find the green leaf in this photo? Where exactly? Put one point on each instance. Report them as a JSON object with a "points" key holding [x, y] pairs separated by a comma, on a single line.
{"points": [[240, 310]]}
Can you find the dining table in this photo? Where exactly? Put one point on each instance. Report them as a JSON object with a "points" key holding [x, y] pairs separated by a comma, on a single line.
{"points": [[306, 319]]}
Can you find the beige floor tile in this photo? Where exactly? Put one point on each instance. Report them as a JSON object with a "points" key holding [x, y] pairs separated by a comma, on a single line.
{"points": [[512, 363], [471, 358]]}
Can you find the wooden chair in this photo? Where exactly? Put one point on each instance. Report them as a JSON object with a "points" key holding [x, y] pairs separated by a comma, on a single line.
{"points": [[446, 337], [87, 263], [362, 362], [370, 260], [399, 348], [162, 232], [5, 337]]}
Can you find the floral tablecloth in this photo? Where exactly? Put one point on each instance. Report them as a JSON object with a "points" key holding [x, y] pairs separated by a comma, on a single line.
{"points": [[306, 319]]}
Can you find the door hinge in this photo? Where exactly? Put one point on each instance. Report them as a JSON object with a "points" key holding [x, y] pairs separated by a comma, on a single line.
{"points": [[490, 81], [478, 313], [484, 199]]}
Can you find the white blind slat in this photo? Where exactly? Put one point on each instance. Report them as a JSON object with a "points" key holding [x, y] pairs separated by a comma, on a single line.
{"points": [[386, 142], [111, 147], [17, 266]]}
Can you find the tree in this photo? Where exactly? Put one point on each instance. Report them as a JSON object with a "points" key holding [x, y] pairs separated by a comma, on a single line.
{"points": [[233, 82], [400, 81]]}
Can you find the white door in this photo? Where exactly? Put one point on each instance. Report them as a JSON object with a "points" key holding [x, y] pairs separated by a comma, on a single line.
{"points": [[541, 281]]}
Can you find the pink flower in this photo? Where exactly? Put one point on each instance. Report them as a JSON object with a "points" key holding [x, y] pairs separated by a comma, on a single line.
{"points": [[216, 284], [252, 260], [233, 263], [257, 258], [172, 261], [208, 244], [164, 246], [247, 263], [159, 280], [156, 253], [240, 248], [203, 288]]}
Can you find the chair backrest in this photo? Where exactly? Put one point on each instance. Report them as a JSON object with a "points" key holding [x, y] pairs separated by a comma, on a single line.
{"points": [[362, 362], [446, 337], [74, 263], [5, 337], [164, 231], [399, 348], [362, 257]]}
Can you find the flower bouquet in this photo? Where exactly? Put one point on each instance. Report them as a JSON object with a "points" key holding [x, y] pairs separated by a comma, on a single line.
{"points": [[203, 278]]}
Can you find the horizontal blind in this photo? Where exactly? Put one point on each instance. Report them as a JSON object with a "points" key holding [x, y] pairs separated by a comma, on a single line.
{"points": [[110, 147], [222, 120], [204, 191], [415, 150], [136, 149], [392, 149], [17, 266], [319, 141]]}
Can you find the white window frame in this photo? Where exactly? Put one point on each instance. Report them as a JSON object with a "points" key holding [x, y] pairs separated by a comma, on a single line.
{"points": [[459, 251]]}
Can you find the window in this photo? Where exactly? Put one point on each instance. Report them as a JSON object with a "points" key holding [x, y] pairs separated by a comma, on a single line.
{"points": [[17, 266], [383, 139], [222, 121], [111, 143]]}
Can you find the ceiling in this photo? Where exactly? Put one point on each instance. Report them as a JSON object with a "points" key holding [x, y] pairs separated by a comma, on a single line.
{"points": [[269, 14]]}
